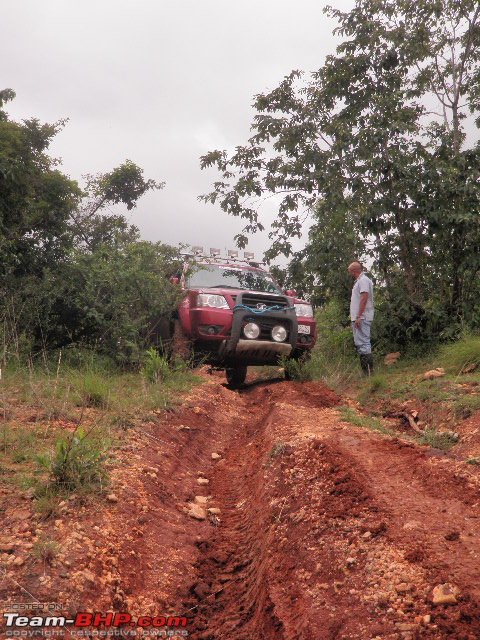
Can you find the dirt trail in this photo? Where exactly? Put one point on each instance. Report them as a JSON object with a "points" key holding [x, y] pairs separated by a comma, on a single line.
{"points": [[331, 531], [320, 530]]}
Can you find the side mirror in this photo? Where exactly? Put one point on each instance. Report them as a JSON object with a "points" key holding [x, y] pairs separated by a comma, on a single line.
{"points": [[292, 293]]}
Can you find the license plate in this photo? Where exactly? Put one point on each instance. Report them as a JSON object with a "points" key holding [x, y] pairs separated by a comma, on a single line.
{"points": [[303, 328]]}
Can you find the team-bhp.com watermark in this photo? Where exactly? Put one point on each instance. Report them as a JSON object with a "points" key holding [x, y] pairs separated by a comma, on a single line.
{"points": [[37, 620]]}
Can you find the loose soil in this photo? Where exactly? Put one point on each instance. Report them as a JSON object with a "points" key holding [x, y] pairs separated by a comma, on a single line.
{"points": [[319, 530]]}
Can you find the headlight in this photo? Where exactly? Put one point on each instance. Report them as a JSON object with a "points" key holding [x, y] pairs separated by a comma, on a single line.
{"points": [[212, 300], [304, 310], [279, 333], [251, 331]]}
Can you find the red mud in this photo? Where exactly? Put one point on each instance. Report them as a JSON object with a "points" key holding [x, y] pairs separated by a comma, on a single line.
{"points": [[326, 531]]}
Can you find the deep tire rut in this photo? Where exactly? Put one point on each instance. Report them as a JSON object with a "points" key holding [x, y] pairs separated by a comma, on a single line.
{"points": [[328, 531]]}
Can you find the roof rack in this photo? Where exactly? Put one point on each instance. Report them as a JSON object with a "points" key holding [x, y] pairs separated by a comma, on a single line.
{"points": [[197, 253]]}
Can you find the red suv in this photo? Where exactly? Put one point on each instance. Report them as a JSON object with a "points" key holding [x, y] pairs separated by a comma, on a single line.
{"points": [[235, 314]]}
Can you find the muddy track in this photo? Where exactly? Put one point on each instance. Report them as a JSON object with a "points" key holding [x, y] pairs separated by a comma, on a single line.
{"points": [[330, 531], [318, 529]]}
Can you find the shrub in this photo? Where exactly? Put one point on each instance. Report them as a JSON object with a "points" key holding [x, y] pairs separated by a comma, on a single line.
{"points": [[75, 462], [45, 549], [155, 366]]}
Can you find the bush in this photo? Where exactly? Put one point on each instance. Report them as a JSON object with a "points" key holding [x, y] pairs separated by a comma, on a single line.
{"points": [[76, 461], [155, 366]]}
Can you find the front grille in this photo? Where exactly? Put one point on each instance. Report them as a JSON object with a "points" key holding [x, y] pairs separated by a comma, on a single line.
{"points": [[253, 300]]}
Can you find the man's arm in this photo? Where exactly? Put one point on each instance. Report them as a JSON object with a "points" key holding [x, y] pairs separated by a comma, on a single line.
{"points": [[361, 307]]}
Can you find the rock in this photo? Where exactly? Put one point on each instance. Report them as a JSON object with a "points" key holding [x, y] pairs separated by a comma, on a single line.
{"points": [[88, 576], [196, 511], [203, 481], [367, 535], [427, 619], [214, 511], [216, 456], [18, 562], [403, 587], [452, 536], [220, 557], [201, 500], [112, 497], [20, 514], [391, 358], [6, 546], [444, 594], [433, 373], [406, 626]]}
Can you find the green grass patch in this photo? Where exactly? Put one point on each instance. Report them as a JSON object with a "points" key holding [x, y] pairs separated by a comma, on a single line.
{"points": [[465, 406], [436, 439], [461, 355], [372, 423], [77, 460], [474, 460], [45, 549]]}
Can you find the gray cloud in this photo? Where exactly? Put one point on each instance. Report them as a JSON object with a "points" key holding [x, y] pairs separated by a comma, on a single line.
{"points": [[160, 83]]}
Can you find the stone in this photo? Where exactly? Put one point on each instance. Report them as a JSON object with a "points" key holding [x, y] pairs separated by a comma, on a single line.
{"points": [[88, 576], [216, 456], [433, 373], [444, 594], [112, 497], [203, 481], [391, 358], [214, 511], [6, 546], [196, 511], [201, 500], [202, 590], [18, 562], [403, 587]]}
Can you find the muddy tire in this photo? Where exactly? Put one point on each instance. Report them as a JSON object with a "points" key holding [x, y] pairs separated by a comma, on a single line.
{"points": [[180, 345], [236, 376]]}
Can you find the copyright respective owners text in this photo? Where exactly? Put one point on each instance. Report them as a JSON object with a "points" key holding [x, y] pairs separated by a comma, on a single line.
{"points": [[49, 620]]}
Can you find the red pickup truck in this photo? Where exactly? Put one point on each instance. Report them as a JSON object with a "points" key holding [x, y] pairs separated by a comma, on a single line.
{"points": [[235, 314]]}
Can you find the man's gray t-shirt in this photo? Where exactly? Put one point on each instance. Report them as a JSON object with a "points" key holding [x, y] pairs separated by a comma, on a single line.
{"points": [[362, 284]]}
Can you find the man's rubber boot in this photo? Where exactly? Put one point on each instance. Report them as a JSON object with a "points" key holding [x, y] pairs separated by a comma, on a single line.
{"points": [[366, 362]]}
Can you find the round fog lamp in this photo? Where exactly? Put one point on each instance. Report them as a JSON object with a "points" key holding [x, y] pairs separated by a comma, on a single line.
{"points": [[279, 333], [251, 331]]}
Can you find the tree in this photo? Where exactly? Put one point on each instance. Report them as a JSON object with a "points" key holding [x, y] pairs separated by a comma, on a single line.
{"points": [[125, 184], [110, 297], [376, 140], [70, 273], [36, 199]]}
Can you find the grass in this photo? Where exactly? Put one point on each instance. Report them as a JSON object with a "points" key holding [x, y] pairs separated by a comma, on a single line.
{"points": [[360, 420], [436, 439], [457, 356], [62, 422], [45, 549]]}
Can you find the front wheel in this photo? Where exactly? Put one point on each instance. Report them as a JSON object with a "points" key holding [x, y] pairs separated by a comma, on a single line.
{"points": [[236, 376]]}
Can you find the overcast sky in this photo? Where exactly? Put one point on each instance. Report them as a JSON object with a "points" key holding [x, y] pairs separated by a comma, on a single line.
{"points": [[160, 83]]}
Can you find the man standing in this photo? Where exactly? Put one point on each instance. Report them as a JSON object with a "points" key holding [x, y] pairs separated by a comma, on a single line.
{"points": [[361, 315]]}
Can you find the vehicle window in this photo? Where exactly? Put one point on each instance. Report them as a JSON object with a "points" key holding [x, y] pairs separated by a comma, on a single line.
{"points": [[213, 275]]}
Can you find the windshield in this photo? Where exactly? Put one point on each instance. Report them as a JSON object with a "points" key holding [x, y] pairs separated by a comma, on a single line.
{"points": [[215, 275]]}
